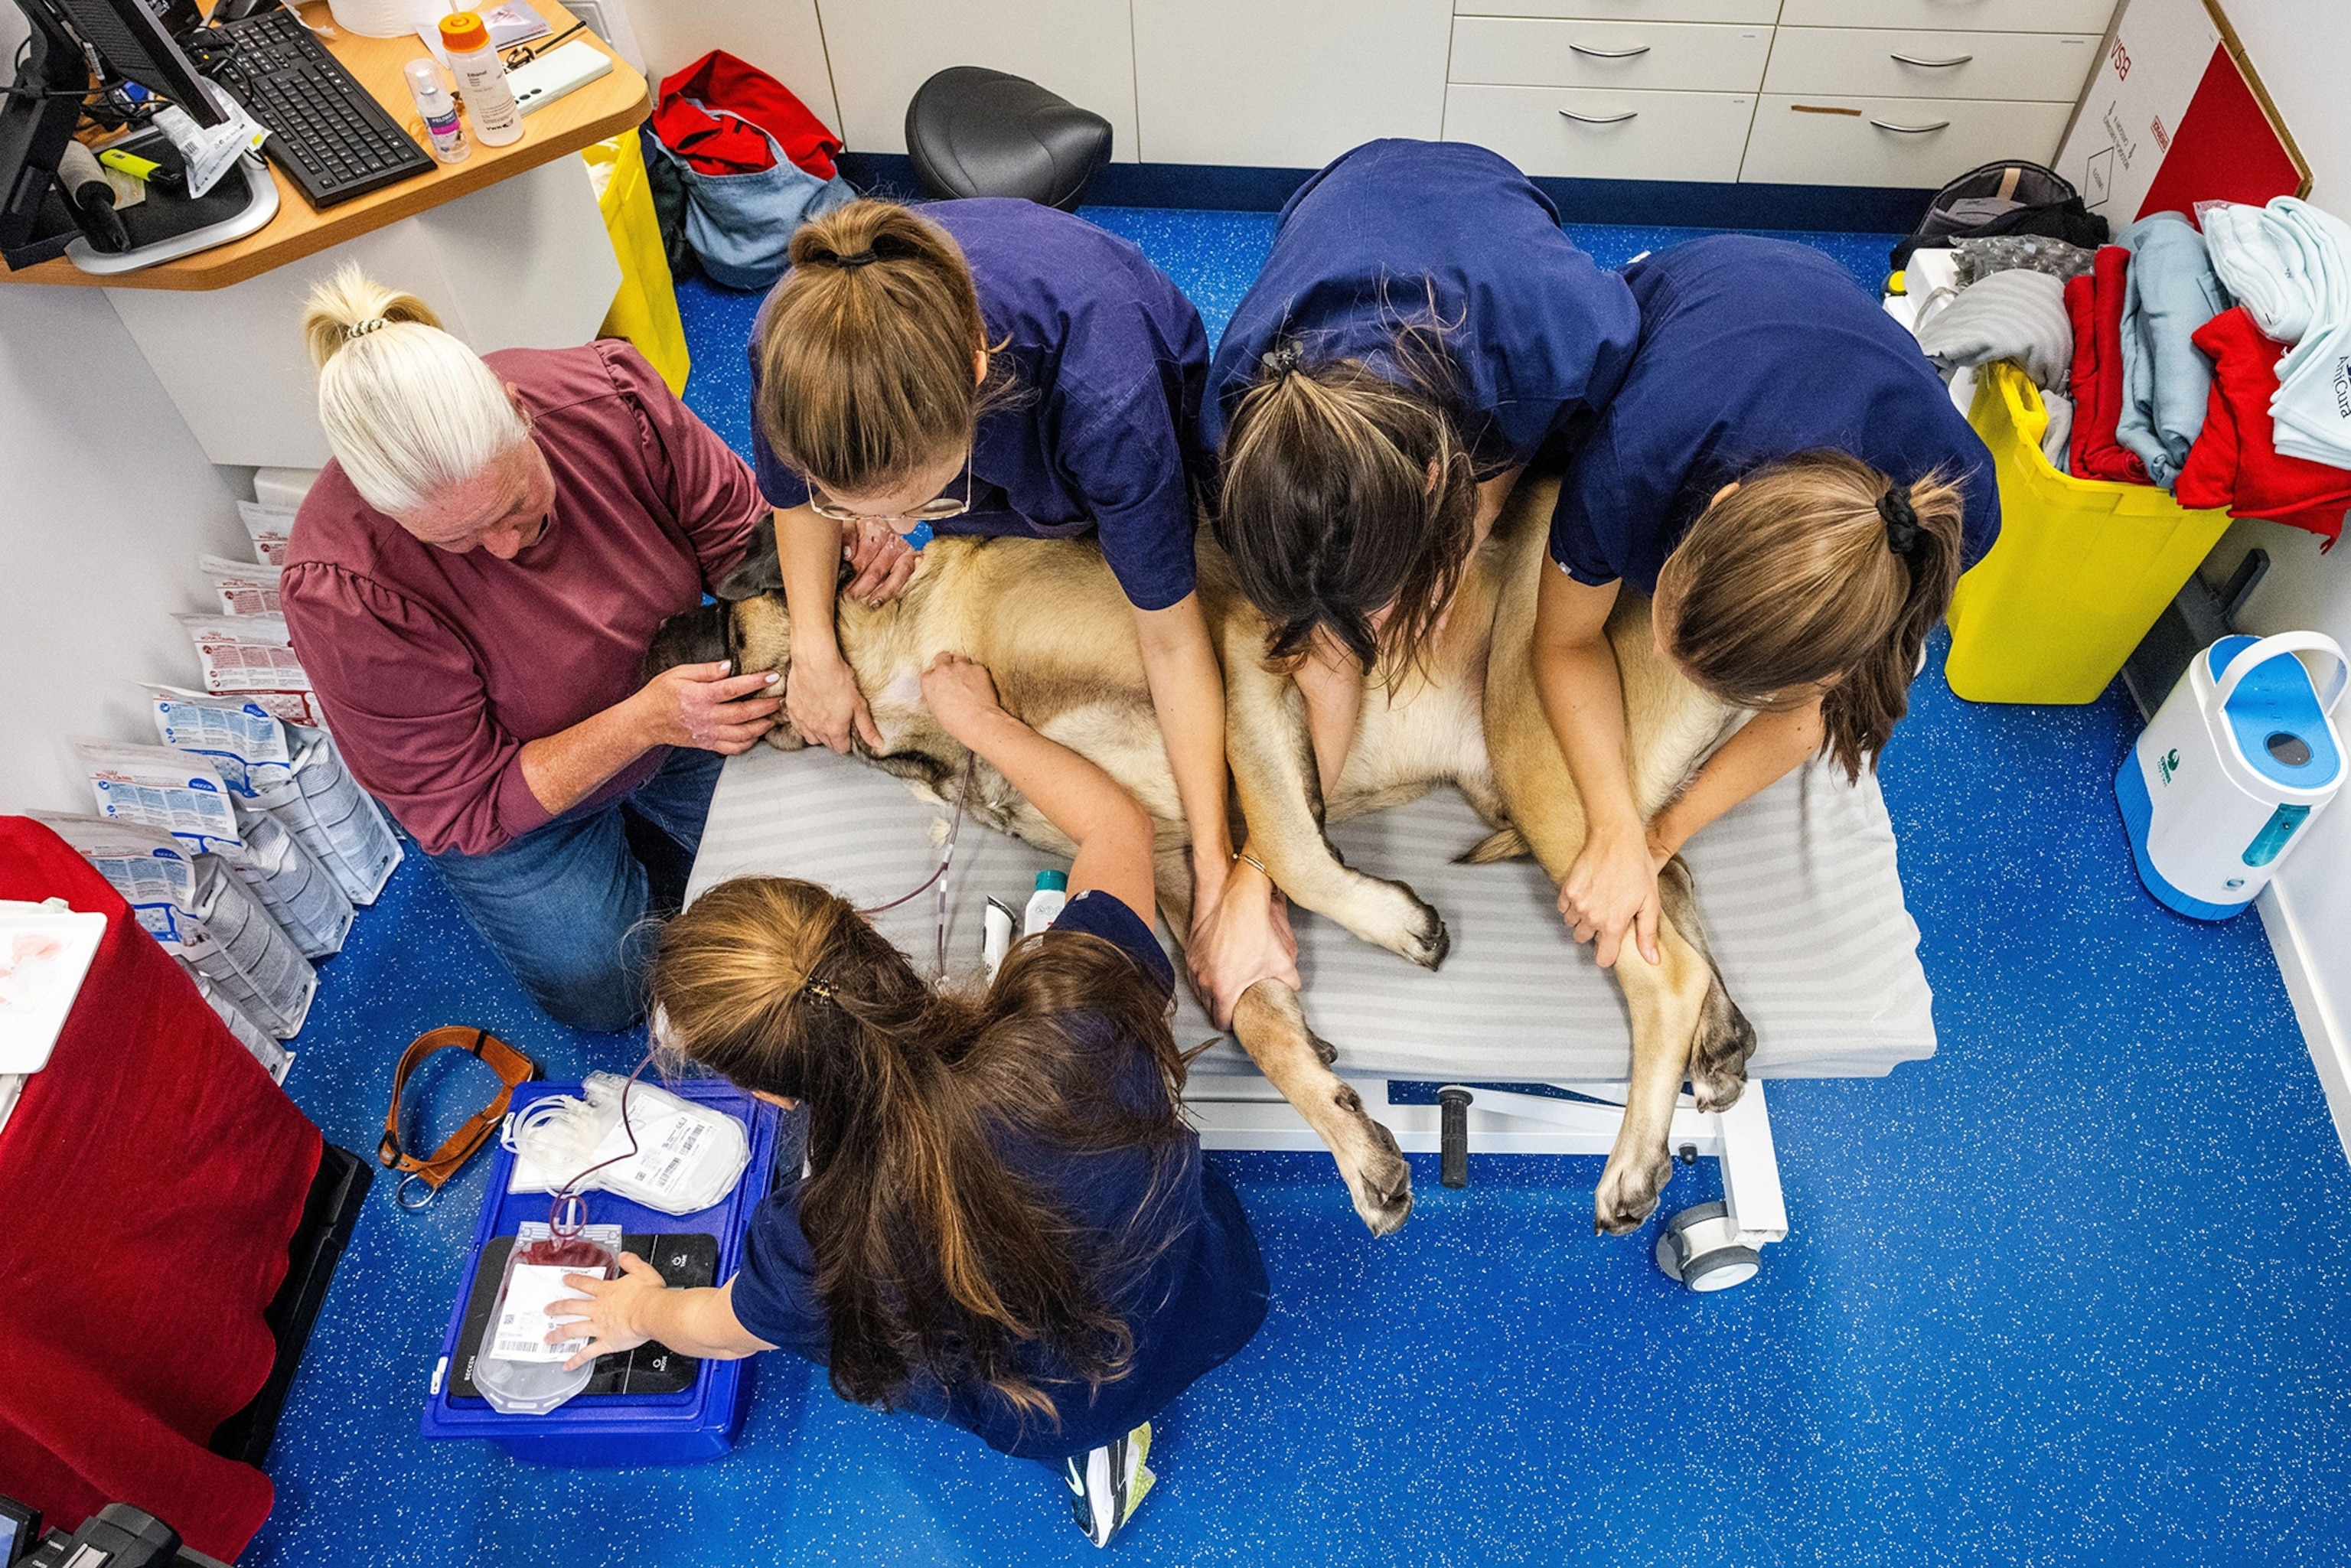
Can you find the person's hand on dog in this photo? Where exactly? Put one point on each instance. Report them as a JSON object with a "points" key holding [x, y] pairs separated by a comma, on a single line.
{"points": [[1610, 893], [707, 707], [1240, 935], [823, 703], [960, 694], [880, 561], [608, 1314]]}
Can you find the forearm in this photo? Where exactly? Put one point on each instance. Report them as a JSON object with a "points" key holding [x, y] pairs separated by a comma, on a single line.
{"points": [[564, 768], [808, 548], [699, 1322], [1492, 496], [1075, 796], [1770, 747], [1583, 700], [1187, 691]]}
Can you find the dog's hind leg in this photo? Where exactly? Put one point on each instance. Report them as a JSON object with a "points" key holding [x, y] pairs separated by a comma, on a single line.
{"points": [[1725, 1039], [1273, 1029], [1280, 798]]}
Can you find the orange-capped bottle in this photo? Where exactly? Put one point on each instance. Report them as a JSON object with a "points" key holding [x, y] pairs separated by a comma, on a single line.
{"points": [[481, 79]]}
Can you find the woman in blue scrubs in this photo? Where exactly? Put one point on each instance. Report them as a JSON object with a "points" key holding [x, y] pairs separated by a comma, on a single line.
{"points": [[1785, 473], [1006, 1223], [1421, 328], [997, 367]]}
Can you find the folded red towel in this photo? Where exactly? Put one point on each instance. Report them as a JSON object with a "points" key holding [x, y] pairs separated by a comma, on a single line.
{"points": [[2095, 305], [2233, 463]]}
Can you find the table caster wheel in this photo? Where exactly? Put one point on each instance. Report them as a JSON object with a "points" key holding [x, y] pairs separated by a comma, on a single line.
{"points": [[1700, 1247]]}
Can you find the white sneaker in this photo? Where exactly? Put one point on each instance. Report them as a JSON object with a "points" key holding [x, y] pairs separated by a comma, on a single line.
{"points": [[1109, 1483]]}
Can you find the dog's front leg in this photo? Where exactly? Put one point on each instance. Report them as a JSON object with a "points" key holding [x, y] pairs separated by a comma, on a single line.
{"points": [[1281, 797], [1271, 1027]]}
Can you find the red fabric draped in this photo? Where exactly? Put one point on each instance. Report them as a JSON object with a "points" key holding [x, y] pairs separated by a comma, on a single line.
{"points": [[151, 1178], [2095, 305], [2234, 463], [711, 114]]}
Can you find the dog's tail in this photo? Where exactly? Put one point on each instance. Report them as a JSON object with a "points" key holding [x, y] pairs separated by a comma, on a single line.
{"points": [[1503, 844]]}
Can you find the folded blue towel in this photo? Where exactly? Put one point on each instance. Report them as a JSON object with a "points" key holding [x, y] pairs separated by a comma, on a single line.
{"points": [[2170, 292]]}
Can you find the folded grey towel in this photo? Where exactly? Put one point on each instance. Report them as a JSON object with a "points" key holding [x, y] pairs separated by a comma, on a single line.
{"points": [[2016, 315]]}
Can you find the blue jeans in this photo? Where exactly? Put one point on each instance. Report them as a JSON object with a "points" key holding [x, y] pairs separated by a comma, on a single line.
{"points": [[565, 906]]}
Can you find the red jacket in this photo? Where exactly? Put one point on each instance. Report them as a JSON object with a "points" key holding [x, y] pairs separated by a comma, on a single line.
{"points": [[2233, 463]]}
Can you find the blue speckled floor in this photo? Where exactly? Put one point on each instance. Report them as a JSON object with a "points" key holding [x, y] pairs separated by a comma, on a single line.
{"points": [[2074, 1291]]}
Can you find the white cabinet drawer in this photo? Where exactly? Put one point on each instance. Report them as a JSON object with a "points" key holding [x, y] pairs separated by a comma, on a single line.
{"points": [[1618, 136], [1655, 57], [1965, 16], [1764, 11], [2047, 68], [1911, 143]]}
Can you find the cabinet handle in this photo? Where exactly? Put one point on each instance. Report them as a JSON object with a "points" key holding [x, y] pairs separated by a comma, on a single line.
{"points": [[1601, 119], [1608, 53], [1905, 129], [1912, 60]]}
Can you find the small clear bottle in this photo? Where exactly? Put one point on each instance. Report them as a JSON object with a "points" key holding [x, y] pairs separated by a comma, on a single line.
{"points": [[442, 126], [482, 78]]}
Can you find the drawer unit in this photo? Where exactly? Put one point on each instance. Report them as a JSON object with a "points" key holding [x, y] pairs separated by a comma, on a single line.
{"points": [[2047, 68], [1959, 15], [1749, 11], [1653, 56], [1604, 133], [1914, 142]]}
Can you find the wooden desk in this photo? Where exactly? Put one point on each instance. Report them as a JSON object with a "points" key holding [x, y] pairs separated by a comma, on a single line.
{"points": [[603, 108]]}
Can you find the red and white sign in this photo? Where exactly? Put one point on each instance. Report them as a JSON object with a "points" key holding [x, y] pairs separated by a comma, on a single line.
{"points": [[2175, 115]]}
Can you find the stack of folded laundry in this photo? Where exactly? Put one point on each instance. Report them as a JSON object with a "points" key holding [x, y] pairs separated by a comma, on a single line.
{"points": [[2214, 364], [2007, 302]]}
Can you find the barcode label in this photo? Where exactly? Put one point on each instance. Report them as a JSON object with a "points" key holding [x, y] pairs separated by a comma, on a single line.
{"points": [[523, 1322]]}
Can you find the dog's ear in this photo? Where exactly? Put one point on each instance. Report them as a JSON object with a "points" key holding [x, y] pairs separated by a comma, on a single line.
{"points": [[761, 569]]}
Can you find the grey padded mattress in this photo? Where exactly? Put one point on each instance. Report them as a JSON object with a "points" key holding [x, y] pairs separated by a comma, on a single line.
{"points": [[1798, 887]]}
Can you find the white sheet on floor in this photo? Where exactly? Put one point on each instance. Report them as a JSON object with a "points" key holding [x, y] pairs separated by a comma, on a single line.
{"points": [[1798, 888]]}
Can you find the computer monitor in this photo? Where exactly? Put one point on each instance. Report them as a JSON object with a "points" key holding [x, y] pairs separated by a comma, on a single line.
{"points": [[38, 119], [133, 41]]}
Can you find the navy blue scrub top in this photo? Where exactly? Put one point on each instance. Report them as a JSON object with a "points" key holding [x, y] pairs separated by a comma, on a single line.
{"points": [[1202, 1297], [1537, 331], [1102, 433], [1753, 350]]}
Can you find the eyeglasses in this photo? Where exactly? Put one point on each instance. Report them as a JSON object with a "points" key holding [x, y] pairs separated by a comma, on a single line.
{"points": [[937, 511]]}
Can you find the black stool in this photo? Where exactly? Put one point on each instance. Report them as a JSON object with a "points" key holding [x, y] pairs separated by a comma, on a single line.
{"points": [[977, 133]]}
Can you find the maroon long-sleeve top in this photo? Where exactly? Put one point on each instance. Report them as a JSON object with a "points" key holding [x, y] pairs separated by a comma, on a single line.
{"points": [[435, 668]]}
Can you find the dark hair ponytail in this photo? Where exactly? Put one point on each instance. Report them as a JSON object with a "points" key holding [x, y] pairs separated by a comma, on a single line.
{"points": [[1816, 572], [865, 348], [933, 1257], [1329, 510]]}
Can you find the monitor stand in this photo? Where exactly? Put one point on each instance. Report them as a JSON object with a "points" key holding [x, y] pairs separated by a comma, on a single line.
{"points": [[165, 227]]}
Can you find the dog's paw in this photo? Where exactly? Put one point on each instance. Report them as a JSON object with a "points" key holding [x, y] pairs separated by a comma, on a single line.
{"points": [[1718, 1052], [1377, 1178], [1629, 1189]]}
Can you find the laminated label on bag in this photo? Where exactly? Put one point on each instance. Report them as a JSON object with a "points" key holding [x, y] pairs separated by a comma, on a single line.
{"points": [[245, 653], [271, 528], [152, 870], [243, 587]]}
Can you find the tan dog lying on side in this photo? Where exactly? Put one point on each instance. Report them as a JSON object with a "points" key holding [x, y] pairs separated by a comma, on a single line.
{"points": [[1048, 620]]}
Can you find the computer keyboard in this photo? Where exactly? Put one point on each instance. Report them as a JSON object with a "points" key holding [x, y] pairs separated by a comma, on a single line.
{"points": [[328, 132]]}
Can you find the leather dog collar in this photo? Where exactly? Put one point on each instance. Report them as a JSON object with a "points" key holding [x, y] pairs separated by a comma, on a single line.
{"points": [[434, 1169]]}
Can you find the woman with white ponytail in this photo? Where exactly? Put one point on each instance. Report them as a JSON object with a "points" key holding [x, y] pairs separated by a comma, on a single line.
{"points": [[470, 585]]}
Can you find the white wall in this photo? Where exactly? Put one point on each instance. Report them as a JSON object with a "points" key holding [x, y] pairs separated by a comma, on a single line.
{"points": [[782, 37], [2300, 48], [105, 504]]}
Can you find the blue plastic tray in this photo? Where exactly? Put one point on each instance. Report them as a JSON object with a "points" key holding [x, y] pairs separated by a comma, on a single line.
{"points": [[701, 1423]]}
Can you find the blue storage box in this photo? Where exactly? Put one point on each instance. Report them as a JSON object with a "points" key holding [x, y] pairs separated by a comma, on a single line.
{"points": [[662, 1411]]}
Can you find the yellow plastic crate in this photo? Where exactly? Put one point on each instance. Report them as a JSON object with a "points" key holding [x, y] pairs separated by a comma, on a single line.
{"points": [[2082, 570]]}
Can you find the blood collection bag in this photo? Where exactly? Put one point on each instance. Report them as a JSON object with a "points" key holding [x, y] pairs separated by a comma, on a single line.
{"points": [[514, 1366], [686, 1157]]}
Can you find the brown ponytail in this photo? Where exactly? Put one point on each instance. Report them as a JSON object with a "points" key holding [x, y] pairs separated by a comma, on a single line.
{"points": [[1328, 509], [865, 348], [1817, 571], [933, 1257]]}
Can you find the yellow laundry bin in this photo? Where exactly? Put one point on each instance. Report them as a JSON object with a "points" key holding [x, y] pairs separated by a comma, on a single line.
{"points": [[645, 309], [2082, 570]]}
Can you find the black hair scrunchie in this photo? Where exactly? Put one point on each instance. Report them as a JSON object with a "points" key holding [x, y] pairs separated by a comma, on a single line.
{"points": [[1902, 530], [865, 258], [1284, 358]]}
